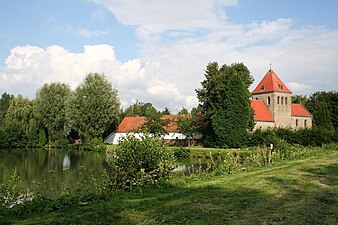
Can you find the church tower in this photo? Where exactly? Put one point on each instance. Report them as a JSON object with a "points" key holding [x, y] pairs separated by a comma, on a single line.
{"points": [[277, 98]]}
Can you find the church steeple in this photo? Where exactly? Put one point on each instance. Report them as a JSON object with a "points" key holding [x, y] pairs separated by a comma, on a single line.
{"points": [[271, 83]]}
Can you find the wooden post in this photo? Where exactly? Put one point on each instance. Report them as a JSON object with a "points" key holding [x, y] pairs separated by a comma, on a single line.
{"points": [[270, 154]]}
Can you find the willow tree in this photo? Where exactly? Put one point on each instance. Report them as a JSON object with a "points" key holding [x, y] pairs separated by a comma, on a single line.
{"points": [[94, 107], [51, 109]]}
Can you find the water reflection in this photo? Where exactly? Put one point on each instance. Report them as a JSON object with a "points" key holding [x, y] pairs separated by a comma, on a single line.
{"points": [[54, 169]]}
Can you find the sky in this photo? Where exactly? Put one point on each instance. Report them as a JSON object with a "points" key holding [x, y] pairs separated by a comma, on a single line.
{"points": [[157, 50]]}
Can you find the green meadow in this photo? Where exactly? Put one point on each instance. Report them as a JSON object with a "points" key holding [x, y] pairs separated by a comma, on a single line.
{"points": [[302, 191]]}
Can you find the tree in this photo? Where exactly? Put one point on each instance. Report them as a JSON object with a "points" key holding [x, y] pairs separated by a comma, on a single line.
{"points": [[183, 111], [4, 104], [94, 107], [314, 105], [224, 100], [189, 125], [140, 109], [166, 111], [154, 124], [21, 110], [300, 99], [323, 117], [51, 109]]}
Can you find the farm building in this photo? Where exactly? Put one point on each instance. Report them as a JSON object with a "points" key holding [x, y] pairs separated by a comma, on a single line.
{"points": [[132, 124]]}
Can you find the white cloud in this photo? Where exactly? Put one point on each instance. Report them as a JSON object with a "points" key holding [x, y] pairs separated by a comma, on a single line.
{"points": [[88, 33], [177, 39], [29, 67], [157, 16], [297, 86]]}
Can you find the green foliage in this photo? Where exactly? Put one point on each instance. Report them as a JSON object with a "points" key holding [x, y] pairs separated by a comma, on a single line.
{"points": [[11, 190], [5, 101], [154, 124], [51, 109], [183, 111], [136, 162], [94, 107], [225, 103], [21, 110], [189, 125], [166, 111], [323, 117], [181, 152], [13, 136], [315, 104], [306, 137], [140, 109], [95, 144]]}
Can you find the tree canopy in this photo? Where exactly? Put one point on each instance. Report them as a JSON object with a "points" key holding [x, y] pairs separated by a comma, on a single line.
{"points": [[224, 100], [94, 106], [51, 102]]}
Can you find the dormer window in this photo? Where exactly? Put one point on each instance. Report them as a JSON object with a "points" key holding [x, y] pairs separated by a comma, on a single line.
{"points": [[263, 88], [280, 86]]}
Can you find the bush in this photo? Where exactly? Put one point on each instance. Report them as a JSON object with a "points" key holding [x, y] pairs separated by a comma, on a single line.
{"points": [[181, 152], [95, 144], [136, 162]]}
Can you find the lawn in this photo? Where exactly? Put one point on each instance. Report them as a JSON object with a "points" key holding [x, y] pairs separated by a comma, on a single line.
{"points": [[290, 192]]}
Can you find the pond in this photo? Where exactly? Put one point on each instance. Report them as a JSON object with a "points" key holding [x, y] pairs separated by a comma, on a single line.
{"points": [[52, 171], [55, 171]]}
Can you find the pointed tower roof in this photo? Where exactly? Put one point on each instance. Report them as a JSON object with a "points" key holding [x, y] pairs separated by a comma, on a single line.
{"points": [[271, 83]]}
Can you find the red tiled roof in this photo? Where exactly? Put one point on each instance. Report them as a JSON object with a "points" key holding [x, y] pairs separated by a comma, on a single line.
{"points": [[271, 83], [261, 111], [299, 110], [129, 124]]}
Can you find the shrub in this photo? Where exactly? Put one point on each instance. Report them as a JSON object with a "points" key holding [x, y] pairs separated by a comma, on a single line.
{"points": [[95, 144], [138, 162], [181, 152]]}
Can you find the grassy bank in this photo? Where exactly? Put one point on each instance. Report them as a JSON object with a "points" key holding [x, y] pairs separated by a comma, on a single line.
{"points": [[290, 192]]}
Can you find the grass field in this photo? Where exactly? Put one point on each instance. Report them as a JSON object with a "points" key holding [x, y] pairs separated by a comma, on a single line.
{"points": [[289, 192]]}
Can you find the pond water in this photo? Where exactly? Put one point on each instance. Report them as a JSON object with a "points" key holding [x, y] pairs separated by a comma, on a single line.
{"points": [[55, 171]]}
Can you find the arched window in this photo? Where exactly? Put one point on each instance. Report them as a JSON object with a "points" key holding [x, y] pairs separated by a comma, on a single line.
{"points": [[286, 100], [278, 100], [269, 100], [282, 100], [296, 122], [305, 125]]}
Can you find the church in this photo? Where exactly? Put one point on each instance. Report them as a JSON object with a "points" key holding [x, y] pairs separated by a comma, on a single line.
{"points": [[273, 107]]}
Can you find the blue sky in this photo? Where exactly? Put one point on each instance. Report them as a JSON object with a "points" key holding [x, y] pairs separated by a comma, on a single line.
{"points": [[156, 50]]}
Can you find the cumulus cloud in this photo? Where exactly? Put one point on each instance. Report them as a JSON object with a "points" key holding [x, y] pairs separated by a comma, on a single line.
{"points": [[177, 39], [29, 67]]}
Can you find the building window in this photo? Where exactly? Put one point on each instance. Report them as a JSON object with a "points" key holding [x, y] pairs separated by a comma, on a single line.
{"points": [[286, 100], [296, 122], [263, 88], [282, 100], [278, 100], [280, 86], [256, 98], [305, 125], [269, 100]]}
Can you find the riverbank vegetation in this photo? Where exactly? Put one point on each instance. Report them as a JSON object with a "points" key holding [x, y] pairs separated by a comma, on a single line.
{"points": [[298, 186]]}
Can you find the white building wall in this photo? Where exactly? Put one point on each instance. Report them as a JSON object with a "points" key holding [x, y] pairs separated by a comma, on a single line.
{"points": [[114, 138]]}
